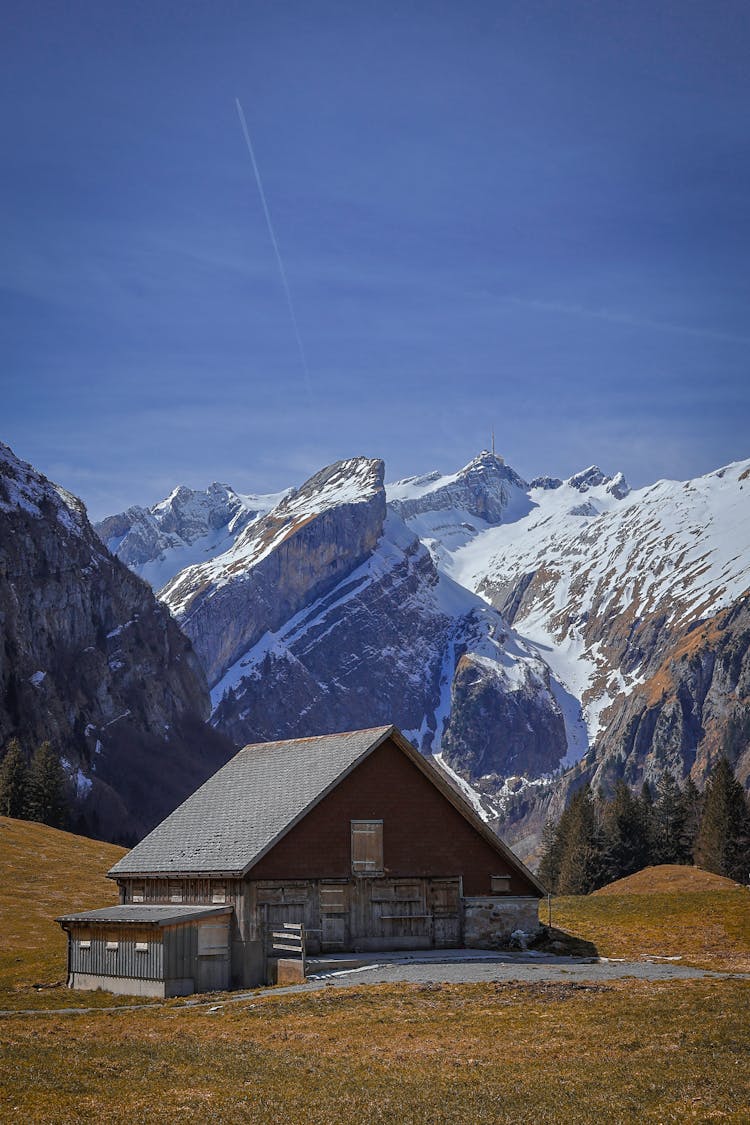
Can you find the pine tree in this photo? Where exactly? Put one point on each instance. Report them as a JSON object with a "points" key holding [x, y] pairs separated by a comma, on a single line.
{"points": [[647, 812], [549, 864], [580, 869], [723, 843], [46, 791], [624, 834], [13, 780], [692, 812], [670, 816]]}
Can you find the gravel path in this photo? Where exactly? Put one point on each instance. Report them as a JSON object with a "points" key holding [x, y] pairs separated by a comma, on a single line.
{"points": [[561, 969]]}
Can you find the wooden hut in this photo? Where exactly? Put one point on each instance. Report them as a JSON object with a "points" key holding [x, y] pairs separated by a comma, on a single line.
{"points": [[357, 836]]}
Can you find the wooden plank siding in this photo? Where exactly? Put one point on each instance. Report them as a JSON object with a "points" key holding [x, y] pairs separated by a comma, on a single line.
{"points": [[361, 913]]}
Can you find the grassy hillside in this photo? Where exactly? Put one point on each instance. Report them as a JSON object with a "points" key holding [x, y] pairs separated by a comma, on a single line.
{"points": [[480, 1054], [667, 911], [630, 1051], [668, 878], [44, 873]]}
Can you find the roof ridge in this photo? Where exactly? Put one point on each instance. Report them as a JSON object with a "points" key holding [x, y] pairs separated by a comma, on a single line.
{"points": [[316, 737]]}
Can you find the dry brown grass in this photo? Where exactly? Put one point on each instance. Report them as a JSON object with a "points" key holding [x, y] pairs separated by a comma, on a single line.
{"points": [[668, 878], [626, 1052], [666, 911], [44, 873]]}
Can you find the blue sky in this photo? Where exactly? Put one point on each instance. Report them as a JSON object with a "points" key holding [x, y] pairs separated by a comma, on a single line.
{"points": [[528, 215]]}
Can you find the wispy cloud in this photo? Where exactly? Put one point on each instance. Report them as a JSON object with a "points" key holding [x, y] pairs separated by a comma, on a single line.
{"points": [[611, 316]]}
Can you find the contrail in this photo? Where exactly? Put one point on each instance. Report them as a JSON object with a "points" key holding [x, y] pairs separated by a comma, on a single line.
{"points": [[277, 252]]}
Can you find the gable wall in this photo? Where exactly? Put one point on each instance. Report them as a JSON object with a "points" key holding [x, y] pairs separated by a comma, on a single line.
{"points": [[423, 834]]}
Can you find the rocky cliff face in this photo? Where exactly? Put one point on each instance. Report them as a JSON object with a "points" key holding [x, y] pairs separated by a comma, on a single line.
{"points": [[486, 488], [295, 554], [90, 660], [694, 705], [330, 614]]}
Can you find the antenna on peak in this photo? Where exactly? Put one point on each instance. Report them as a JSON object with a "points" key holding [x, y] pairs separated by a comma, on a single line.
{"points": [[493, 443]]}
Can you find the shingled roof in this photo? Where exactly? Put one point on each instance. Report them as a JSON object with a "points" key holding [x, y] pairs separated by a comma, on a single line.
{"points": [[238, 815]]}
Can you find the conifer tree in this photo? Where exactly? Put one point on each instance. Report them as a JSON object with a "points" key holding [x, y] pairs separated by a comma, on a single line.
{"points": [[647, 813], [13, 778], [46, 791], [692, 811], [580, 869], [549, 864], [723, 843], [624, 835], [670, 814]]}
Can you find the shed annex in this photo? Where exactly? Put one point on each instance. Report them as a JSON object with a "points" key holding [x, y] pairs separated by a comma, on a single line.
{"points": [[357, 836]]}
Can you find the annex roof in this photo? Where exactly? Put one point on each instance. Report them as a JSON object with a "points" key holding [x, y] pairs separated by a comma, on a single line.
{"points": [[238, 815], [139, 914], [240, 812]]}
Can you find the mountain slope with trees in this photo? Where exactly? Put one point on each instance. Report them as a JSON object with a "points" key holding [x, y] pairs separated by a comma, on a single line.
{"points": [[93, 664]]}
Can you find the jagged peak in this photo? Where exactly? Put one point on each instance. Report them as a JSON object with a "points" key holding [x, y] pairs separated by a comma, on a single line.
{"points": [[547, 483], [593, 477], [491, 464], [350, 481], [24, 488]]}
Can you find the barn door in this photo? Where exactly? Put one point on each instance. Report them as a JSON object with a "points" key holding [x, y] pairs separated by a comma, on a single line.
{"points": [[391, 914], [445, 906], [285, 903], [212, 962], [334, 917]]}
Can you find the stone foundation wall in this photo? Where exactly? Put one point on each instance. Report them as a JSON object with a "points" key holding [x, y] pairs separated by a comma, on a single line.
{"points": [[490, 920]]}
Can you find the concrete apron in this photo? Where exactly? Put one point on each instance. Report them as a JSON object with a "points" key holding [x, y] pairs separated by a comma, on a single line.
{"points": [[326, 963]]}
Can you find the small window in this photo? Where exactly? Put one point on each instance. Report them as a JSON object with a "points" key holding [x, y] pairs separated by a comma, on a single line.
{"points": [[141, 947], [113, 946], [499, 884], [367, 847], [138, 892], [218, 893], [84, 944], [175, 892]]}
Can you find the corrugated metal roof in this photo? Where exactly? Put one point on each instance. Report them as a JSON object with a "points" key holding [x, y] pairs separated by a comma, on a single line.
{"points": [[231, 820], [160, 915]]}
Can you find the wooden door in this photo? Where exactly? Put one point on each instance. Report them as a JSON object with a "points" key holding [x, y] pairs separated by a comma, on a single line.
{"points": [[445, 906], [289, 902], [212, 963], [334, 917], [390, 914]]}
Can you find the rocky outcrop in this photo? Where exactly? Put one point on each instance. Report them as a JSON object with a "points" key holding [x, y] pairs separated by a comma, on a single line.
{"points": [[486, 488], [694, 705], [294, 555], [390, 643], [91, 661], [593, 477], [496, 728]]}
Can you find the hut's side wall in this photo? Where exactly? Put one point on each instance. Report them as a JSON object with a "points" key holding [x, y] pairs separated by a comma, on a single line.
{"points": [[120, 959]]}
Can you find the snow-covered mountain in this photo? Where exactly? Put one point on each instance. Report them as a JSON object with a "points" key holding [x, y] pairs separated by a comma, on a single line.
{"points": [[329, 613], [187, 527], [508, 626], [602, 587]]}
